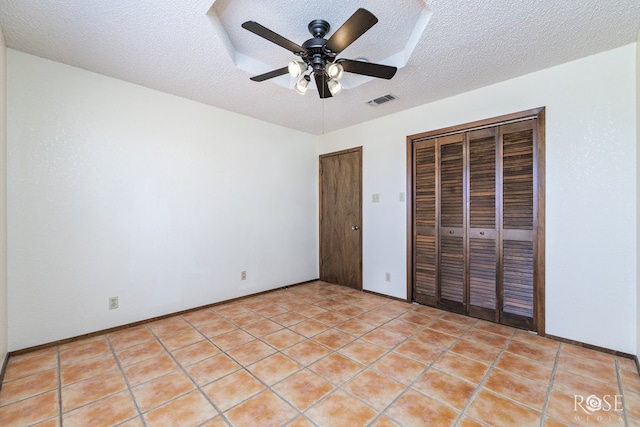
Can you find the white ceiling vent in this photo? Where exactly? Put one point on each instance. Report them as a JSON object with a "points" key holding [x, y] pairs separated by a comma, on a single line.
{"points": [[381, 100]]}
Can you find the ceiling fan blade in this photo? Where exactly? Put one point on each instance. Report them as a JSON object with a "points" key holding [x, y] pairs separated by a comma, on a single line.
{"points": [[276, 38], [323, 87], [358, 24], [368, 69], [271, 74]]}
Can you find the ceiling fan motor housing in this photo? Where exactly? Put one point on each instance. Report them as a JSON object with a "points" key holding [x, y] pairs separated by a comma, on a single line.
{"points": [[317, 56], [319, 28]]}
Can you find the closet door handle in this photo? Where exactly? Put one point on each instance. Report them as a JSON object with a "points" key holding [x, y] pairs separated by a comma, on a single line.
{"points": [[355, 228]]}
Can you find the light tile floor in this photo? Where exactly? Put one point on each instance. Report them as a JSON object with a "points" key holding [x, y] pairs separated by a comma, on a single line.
{"points": [[319, 355]]}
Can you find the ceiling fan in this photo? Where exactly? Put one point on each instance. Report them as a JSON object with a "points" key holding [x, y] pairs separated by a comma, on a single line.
{"points": [[319, 54]]}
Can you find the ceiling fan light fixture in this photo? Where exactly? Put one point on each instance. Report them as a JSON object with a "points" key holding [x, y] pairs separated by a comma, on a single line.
{"points": [[334, 70], [334, 87], [302, 85], [319, 54], [296, 68]]}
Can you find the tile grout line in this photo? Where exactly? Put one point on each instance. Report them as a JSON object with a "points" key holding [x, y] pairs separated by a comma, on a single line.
{"points": [[59, 385], [463, 412], [428, 366], [528, 379], [77, 382], [339, 387], [358, 337], [288, 327], [441, 355], [245, 368], [224, 352], [480, 385], [621, 388], [333, 351], [126, 380], [388, 351], [184, 371], [552, 378], [449, 349]]}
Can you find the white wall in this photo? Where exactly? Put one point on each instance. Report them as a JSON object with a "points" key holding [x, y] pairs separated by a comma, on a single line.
{"points": [[638, 192], [4, 326], [119, 190], [590, 182], [115, 189]]}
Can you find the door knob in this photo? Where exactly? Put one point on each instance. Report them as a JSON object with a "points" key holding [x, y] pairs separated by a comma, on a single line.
{"points": [[355, 228]]}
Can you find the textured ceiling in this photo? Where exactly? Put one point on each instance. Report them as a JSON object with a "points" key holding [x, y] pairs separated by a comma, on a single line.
{"points": [[178, 47]]}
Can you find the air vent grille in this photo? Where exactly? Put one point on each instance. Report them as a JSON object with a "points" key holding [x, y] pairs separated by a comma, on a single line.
{"points": [[381, 100]]}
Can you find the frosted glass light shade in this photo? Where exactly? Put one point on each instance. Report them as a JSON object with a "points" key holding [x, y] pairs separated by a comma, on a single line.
{"points": [[334, 87], [296, 68], [301, 86], [334, 70]]}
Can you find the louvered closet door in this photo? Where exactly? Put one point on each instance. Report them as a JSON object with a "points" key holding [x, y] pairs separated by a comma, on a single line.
{"points": [[452, 287], [482, 232], [424, 196], [517, 275], [478, 207]]}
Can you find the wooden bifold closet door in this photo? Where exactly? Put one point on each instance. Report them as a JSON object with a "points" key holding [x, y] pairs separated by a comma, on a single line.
{"points": [[475, 242]]}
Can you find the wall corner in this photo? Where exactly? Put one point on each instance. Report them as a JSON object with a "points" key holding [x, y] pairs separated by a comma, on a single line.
{"points": [[637, 196], [4, 320]]}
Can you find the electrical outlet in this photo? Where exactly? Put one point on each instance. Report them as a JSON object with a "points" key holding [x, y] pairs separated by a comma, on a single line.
{"points": [[387, 277], [243, 275], [402, 198], [375, 198], [113, 303]]}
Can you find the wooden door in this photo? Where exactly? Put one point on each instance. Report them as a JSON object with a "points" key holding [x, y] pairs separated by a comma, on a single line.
{"points": [[451, 289], [425, 227], [341, 218], [482, 233], [517, 224], [476, 219]]}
